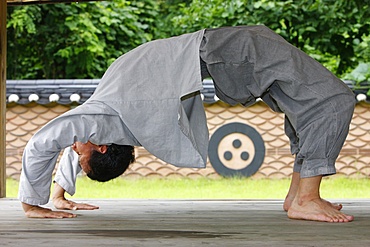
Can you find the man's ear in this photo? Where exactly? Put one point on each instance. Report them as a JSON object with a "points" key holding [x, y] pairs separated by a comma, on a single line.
{"points": [[102, 149]]}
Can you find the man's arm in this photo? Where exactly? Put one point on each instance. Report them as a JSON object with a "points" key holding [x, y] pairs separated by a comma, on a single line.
{"points": [[41, 154], [65, 181], [92, 121], [31, 197]]}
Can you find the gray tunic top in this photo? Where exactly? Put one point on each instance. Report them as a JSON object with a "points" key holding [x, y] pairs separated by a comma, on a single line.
{"points": [[148, 97]]}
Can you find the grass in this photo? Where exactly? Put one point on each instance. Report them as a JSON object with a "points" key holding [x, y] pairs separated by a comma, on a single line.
{"points": [[230, 188]]}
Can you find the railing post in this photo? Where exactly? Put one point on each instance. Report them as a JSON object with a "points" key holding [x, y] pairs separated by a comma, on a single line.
{"points": [[3, 6]]}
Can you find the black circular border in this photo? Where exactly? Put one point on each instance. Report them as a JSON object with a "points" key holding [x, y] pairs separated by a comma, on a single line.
{"points": [[228, 129]]}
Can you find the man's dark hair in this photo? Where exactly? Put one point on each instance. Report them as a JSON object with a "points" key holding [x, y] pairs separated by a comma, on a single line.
{"points": [[111, 164]]}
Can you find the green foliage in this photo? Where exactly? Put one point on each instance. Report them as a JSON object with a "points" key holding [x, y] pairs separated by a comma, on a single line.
{"points": [[360, 74], [328, 29], [76, 40], [360, 77], [80, 40]]}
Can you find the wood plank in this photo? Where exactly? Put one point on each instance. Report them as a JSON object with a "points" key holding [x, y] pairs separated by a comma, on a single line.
{"points": [[123, 222], [2, 97]]}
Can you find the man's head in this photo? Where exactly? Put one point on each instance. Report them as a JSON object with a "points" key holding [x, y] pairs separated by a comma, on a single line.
{"points": [[103, 162]]}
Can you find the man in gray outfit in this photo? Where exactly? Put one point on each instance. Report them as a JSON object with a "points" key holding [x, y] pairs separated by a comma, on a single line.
{"points": [[150, 97]]}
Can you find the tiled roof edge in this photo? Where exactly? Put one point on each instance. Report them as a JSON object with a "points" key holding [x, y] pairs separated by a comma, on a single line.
{"points": [[72, 91]]}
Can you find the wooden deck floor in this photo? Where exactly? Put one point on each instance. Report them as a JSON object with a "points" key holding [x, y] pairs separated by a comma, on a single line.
{"points": [[183, 223]]}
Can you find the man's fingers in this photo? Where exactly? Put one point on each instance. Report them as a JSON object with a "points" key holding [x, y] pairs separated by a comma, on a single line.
{"points": [[59, 215], [83, 206], [65, 204]]}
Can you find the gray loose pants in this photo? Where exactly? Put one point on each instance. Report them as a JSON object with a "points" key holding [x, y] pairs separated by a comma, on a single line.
{"points": [[250, 62]]}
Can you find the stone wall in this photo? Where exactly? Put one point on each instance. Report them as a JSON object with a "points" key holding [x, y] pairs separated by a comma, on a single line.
{"points": [[22, 121]]}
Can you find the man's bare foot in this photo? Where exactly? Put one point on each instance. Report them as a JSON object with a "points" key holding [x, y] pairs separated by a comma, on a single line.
{"points": [[317, 210], [293, 190], [289, 199]]}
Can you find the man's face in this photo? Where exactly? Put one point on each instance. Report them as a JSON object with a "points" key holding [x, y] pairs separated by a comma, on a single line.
{"points": [[84, 151]]}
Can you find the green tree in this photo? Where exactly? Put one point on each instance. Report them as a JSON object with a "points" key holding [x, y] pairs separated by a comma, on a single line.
{"points": [[77, 40], [81, 40], [329, 30]]}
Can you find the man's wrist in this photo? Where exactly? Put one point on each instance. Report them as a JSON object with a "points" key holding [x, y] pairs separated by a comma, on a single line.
{"points": [[58, 191]]}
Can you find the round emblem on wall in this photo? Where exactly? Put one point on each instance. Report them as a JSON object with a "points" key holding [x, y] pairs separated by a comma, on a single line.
{"points": [[236, 149]]}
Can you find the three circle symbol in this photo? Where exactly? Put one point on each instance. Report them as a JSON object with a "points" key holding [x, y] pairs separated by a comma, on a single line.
{"points": [[236, 149]]}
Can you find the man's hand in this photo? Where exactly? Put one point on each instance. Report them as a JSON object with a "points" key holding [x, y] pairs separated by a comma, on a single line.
{"points": [[60, 202], [32, 211]]}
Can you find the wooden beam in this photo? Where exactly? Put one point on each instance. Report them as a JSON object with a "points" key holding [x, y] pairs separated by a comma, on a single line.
{"points": [[2, 97]]}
